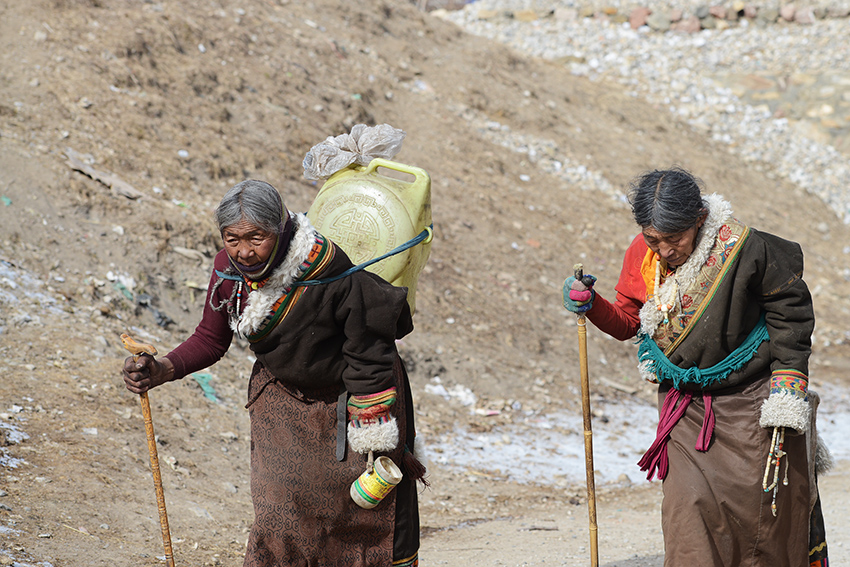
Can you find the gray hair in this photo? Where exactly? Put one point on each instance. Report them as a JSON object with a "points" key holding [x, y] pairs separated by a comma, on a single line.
{"points": [[669, 201], [254, 201]]}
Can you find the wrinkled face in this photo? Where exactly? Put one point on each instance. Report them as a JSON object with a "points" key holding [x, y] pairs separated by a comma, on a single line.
{"points": [[248, 244], [675, 247]]}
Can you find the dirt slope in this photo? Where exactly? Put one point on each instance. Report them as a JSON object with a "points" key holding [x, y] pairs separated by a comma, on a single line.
{"points": [[180, 100]]}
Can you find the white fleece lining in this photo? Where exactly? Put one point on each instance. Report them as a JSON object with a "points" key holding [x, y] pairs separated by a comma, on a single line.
{"points": [[260, 301], [378, 437], [784, 409], [823, 458], [419, 451], [719, 211]]}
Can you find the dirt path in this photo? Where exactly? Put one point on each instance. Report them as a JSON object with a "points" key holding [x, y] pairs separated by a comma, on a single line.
{"points": [[629, 531]]}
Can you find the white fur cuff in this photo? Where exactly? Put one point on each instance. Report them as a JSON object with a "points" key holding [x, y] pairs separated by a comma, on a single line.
{"points": [[784, 409], [378, 437]]}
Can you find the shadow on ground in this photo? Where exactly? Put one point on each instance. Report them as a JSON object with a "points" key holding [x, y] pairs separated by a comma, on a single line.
{"points": [[646, 561]]}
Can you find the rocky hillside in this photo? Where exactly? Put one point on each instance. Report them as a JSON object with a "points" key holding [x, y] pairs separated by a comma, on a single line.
{"points": [[122, 124]]}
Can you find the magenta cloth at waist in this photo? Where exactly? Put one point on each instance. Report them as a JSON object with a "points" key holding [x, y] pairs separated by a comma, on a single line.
{"points": [[654, 461]]}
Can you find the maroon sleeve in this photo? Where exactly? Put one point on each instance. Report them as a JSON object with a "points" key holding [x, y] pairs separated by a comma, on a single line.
{"points": [[213, 334], [621, 319]]}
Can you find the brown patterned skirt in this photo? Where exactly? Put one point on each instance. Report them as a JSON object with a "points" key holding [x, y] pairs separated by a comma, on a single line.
{"points": [[304, 515]]}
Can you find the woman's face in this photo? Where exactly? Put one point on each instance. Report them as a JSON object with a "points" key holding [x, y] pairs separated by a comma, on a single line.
{"points": [[248, 244], [674, 247]]}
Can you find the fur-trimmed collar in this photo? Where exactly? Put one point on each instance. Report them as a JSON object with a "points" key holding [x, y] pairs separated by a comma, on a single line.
{"points": [[259, 302], [719, 211]]}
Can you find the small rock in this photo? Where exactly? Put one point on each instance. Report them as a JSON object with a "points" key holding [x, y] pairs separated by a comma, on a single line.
{"points": [[691, 24], [718, 12], [709, 22], [659, 21], [804, 16], [768, 15], [525, 15], [787, 12], [488, 14], [566, 14], [638, 17]]}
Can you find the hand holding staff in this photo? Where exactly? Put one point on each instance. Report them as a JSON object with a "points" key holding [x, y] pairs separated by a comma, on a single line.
{"points": [[137, 349], [579, 304]]}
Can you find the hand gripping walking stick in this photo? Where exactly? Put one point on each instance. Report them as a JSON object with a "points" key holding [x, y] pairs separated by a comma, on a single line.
{"points": [[581, 320], [137, 349]]}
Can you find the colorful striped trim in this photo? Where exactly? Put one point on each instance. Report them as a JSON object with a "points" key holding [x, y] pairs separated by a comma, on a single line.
{"points": [[413, 561], [789, 380], [317, 260], [371, 409], [364, 493], [359, 421], [387, 397]]}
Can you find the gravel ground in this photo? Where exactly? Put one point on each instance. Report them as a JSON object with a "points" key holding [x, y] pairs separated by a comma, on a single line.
{"points": [[695, 77]]}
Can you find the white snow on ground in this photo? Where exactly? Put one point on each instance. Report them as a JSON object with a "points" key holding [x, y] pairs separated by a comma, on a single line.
{"points": [[549, 449]]}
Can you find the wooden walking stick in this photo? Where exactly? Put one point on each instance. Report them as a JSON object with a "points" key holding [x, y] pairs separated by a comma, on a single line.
{"points": [[581, 320], [137, 349]]}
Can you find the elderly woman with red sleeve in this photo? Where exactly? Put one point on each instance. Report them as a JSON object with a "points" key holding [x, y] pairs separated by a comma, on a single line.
{"points": [[328, 378], [723, 321]]}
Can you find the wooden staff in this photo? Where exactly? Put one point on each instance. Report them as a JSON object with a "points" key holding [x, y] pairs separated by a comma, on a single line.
{"points": [[588, 432], [137, 349]]}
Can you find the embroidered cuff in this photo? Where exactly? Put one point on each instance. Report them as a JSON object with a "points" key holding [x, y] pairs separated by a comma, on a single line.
{"points": [[788, 403], [371, 427]]}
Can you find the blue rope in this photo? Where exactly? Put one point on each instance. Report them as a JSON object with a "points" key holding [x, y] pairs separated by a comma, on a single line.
{"points": [[397, 250], [226, 276], [648, 351]]}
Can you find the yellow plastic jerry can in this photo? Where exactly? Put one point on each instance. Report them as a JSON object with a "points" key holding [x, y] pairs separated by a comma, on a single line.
{"points": [[368, 214]]}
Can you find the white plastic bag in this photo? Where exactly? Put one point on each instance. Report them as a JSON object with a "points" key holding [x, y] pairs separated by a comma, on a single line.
{"points": [[361, 146]]}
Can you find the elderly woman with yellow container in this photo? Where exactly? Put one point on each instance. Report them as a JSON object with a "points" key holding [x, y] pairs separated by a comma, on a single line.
{"points": [[328, 387]]}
